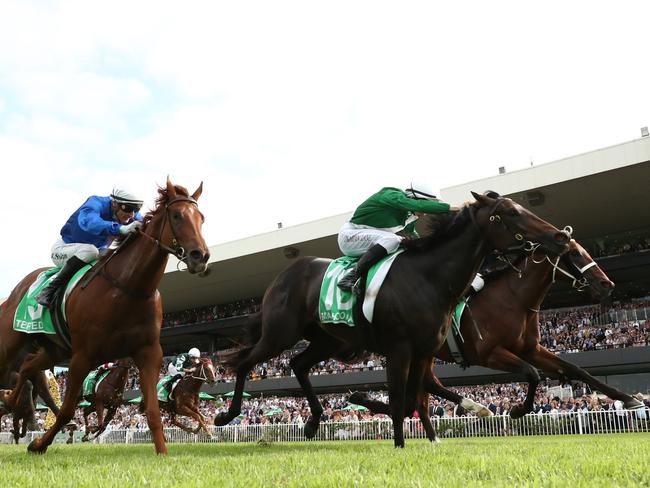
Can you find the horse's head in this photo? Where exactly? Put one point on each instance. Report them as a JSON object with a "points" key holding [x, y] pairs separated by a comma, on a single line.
{"points": [[178, 222], [208, 369], [580, 268], [509, 226]]}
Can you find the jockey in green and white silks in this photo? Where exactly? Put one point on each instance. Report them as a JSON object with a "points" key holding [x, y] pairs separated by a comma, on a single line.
{"points": [[371, 232], [184, 363], [87, 231]]}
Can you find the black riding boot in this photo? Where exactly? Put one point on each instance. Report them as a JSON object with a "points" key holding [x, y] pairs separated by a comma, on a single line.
{"points": [[72, 265], [352, 278]]}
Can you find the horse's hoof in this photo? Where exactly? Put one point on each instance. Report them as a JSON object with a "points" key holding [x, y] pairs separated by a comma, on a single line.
{"points": [[435, 440], [634, 404], [36, 447], [517, 412], [222, 419], [311, 427], [357, 397], [484, 412]]}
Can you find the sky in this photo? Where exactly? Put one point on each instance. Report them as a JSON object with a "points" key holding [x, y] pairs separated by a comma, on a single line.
{"points": [[291, 111]]}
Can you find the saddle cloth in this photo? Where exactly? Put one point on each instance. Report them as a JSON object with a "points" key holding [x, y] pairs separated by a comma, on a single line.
{"points": [[33, 318], [165, 388], [336, 305], [92, 381]]}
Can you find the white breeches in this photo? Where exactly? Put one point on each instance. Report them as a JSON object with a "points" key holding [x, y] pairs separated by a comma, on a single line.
{"points": [[61, 252], [171, 369], [354, 240]]}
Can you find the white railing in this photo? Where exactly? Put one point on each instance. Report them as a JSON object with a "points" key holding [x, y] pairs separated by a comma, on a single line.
{"points": [[596, 422]]}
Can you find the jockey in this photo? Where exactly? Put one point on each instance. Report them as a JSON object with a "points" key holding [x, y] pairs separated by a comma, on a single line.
{"points": [[184, 363], [105, 367], [87, 231], [371, 233]]}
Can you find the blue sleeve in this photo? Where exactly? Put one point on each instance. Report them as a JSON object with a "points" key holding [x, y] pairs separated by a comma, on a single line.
{"points": [[91, 221]]}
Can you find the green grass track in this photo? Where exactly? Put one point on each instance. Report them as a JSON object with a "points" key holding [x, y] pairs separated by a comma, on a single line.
{"points": [[574, 461]]}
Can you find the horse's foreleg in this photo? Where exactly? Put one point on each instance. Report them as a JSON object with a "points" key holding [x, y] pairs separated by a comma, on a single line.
{"points": [[87, 411], [301, 363], [550, 363], [505, 360], [42, 388], [110, 413], [16, 430], [79, 368], [149, 360], [398, 362], [433, 385], [99, 410], [419, 370], [188, 411]]}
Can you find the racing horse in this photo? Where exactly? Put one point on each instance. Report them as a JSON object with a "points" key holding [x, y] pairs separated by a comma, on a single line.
{"points": [[24, 410], [119, 312], [186, 399], [413, 309], [501, 328], [107, 395]]}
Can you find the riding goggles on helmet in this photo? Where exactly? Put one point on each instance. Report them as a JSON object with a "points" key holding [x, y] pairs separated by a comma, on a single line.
{"points": [[129, 207]]}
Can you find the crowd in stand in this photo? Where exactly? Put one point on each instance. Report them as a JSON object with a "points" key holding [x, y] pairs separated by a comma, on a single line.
{"points": [[625, 246], [270, 410]]}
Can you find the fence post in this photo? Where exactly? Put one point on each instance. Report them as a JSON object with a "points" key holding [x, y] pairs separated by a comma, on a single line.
{"points": [[580, 423]]}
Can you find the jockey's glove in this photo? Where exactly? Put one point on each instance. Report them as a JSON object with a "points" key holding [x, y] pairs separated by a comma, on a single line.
{"points": [[132, 227]]}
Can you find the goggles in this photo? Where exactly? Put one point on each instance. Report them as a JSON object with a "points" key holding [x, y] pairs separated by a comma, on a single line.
{"points": [[129, 207]]}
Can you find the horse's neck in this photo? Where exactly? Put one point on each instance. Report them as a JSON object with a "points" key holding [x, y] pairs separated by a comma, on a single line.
{"points": [[455, 262], [141, 265], [531, 288], [193, 384]]}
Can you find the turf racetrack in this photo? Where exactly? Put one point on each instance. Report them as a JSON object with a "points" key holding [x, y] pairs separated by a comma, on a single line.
{"points": [[601, 460]]}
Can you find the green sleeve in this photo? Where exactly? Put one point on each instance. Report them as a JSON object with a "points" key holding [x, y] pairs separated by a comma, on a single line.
{"points": [[399, 200]]}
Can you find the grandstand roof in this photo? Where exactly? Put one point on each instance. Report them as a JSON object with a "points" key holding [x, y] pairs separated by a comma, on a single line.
{"points": [[598, 193]]}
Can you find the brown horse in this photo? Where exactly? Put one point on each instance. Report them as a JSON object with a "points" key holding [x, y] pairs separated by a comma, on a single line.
{"points": [[108, 395], [186, 396], [413, 308], [119, 312], [501, 328], [23, 411]]}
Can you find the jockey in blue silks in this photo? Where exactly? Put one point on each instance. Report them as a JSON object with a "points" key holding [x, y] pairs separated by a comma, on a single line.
{"points": [[88, 230]]}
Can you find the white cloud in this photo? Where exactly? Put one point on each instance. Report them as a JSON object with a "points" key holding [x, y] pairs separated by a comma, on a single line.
{"points": [[294, 111]]}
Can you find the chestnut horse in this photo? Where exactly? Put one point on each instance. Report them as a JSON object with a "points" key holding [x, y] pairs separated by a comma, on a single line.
{"points": [[413, 309], [108, 395], [186, 396], [119, 312], [501, 328], [23, 411]]}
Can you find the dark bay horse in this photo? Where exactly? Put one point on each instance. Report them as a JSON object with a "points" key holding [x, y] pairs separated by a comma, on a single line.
{"points": [[501, 328], [107, 395], [413, 309], [186, 396], [119, 312]]}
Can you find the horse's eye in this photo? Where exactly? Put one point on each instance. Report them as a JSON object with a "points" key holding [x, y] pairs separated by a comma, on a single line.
{"points": [[176, 216]]}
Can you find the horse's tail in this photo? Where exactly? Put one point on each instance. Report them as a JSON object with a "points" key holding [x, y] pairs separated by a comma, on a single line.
{"points": [[231, 360]]}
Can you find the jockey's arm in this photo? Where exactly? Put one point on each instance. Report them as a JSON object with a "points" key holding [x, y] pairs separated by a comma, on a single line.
{"points": [[90, 220]]}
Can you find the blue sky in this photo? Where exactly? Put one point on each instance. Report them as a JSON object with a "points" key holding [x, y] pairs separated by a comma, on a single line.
{"points": [[293, 111]]}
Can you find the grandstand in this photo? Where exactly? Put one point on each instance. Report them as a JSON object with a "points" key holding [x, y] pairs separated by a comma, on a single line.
{"points": [[601, 194]]}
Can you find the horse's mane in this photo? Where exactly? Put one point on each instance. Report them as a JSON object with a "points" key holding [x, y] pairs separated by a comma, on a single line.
{"points": [[161, 201], [440, 227]]}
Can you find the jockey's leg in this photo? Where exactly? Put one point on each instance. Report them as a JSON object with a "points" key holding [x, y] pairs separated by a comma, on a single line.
{"points": [[369, 258], [72, 265]]}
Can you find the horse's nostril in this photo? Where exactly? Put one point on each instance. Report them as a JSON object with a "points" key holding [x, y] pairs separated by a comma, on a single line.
{"points": [[608, 284], [562, 237], [196, 255]]}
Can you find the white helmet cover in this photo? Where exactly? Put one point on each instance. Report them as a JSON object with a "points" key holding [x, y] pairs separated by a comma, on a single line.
{"points": [[121, 195], [194, 353], [421, 190]]}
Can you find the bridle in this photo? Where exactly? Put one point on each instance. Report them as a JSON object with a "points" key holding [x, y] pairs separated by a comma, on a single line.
{"points": [[175, 249], [202, 375]]}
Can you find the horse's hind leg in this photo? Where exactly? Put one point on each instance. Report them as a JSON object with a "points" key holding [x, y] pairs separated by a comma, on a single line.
{"points": [[42, 388], [32, 365], [110, 413], [79, 368], [320, 348]]}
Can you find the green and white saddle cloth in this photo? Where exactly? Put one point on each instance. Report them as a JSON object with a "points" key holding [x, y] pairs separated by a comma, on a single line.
{"points": [[165, 388], [92, 381], [33, 318], [335, 305]]}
